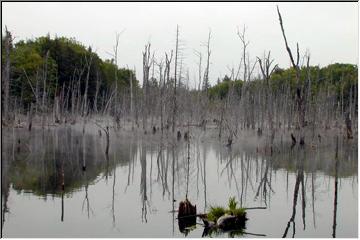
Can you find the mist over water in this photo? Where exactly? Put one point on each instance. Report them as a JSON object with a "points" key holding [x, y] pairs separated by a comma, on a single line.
{"points": [[130, 193]]}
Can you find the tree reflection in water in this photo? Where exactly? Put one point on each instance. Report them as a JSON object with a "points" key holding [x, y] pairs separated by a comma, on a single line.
{"points": [[50, 162]]}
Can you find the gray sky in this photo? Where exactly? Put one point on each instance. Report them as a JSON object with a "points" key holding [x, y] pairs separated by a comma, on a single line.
{"points": [[328, 30]]}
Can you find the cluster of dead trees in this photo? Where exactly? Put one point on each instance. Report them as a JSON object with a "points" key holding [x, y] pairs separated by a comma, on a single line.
{"points": [[166, 102]]}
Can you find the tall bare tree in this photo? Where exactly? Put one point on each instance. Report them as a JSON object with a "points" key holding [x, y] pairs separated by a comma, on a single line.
{"points": [[245, 43], [6, 73], [132, 98], [206, 83], [175, 79], [147, 62], [266, 70], [300, 90]]}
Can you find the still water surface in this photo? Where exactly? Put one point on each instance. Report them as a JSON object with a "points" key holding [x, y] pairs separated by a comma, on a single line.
{"points": [[133, 191]]}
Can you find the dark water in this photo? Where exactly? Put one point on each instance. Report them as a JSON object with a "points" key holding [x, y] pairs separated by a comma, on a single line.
{"points": [[130, 193]]}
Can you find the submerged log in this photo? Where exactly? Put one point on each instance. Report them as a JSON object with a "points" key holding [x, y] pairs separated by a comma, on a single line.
{"points": [[218, 220], [234, 225], [231, 222]]}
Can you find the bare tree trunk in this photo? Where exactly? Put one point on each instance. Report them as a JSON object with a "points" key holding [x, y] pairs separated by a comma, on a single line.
{"points": [[165, 83], [348, 126], [132, 100], [300, 99], [245, 44], [146, 69], [266, 72], [206, 83], [6, 73], [96, 92], [206, 73], [45, 78], [107, 141], [200, 69], [115, 55], [175, 79], [30, 117], [88, 63]]}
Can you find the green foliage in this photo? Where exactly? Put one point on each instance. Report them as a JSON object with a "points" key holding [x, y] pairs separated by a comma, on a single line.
{"points": [[232, 203], [66, 67], [221, 90], [336, 78], [233, 210], [215, 213], [237, 212]]}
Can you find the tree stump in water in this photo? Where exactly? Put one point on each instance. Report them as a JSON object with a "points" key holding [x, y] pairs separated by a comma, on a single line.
{"points": [[186, 215], [186, 209], [229, 142], [293, 139], [178, 135], [186, 136], [302, 141]]}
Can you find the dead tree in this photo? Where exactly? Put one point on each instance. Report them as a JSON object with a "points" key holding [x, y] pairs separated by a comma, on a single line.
{"points": [[175, 79], [30, 117], [166, 80], [348, 126], [162, 87], [6, 73], [114, 55], [199, 54], [146, 68], [44, 80], [206, 83], [115, 49], [97, 91], [265, 66], [132, 99], [245, 44], [88, 66], [300, 91], [246, 96]]}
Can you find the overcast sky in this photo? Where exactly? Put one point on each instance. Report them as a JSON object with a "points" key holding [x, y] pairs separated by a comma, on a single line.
{"points": [[328, 30]]}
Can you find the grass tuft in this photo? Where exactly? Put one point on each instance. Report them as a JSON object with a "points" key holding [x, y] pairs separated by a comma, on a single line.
{"points": [[215, 213]]}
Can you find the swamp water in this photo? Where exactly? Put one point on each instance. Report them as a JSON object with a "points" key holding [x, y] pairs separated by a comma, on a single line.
{"points": [[133, 191]]}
